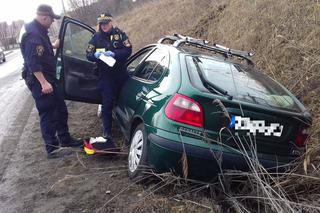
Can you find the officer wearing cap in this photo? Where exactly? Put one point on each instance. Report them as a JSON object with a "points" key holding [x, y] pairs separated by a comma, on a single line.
{"points": [[39, 72], [109, 41]]}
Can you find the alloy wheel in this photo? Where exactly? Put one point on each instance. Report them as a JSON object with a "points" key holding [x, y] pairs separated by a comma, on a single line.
{"points": [[135, 152]]}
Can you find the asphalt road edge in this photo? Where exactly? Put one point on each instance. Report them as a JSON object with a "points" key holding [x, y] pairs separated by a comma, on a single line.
{"points": [[10, 141]]}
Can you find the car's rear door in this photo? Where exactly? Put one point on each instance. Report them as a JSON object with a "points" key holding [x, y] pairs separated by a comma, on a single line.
{"points": [[146, 69], [78, 77]]}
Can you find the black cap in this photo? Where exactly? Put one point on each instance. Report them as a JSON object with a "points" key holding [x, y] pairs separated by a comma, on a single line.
{"points": [[46, 10], [104, 18]]}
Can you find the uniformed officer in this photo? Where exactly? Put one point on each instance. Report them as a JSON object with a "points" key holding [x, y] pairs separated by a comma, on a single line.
{"points": [[112, 42], [39, 72]]}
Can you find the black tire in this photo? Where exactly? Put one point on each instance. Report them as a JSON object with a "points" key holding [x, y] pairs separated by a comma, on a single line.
{"points": [[4, 59], [138, 141]]}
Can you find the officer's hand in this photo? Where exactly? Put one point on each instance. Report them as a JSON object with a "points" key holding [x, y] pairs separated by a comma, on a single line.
{"points": [[109, 53], [56, 44], [46, 87], [97, 54]]}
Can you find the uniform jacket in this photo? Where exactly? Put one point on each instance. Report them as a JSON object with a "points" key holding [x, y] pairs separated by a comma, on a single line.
{"points": [[116, 41], [37, 51]]}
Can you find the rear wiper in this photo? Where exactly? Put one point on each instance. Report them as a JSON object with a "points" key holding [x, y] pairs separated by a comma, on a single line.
{"points": [[256, 99], [210, 86]]}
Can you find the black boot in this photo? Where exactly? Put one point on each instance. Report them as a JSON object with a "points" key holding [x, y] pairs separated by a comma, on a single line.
{"points": [[72, 142]]}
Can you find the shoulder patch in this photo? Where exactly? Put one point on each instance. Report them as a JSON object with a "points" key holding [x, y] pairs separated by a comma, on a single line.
{"points": [[40, 50], [116, 37], [127, 43]]}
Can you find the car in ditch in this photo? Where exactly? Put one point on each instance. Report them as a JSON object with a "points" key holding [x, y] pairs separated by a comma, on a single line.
{"points": [[190, 107]]}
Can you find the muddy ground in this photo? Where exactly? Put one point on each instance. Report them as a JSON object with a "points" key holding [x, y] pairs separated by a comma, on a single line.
{"points": [[82, 183]]}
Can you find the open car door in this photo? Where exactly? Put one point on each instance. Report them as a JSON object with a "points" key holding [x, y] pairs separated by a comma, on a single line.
{"points": [[78, 77]]}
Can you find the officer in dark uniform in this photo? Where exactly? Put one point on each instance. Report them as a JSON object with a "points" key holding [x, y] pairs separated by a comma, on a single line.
{"points": [[39, 72], [112, 42]]}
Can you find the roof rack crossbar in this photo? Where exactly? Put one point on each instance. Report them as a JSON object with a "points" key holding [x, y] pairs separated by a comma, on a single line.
{"points": [[179, 40], [167, 38], [227, 53]]}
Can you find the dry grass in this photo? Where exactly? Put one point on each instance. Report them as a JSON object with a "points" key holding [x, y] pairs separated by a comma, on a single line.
{"points": [[149, 23], [285, 35]]}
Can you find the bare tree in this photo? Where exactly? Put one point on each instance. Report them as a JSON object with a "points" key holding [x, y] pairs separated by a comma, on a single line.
{"points": [[4, 34], [87, 10], [83, 10], [14, 30]]}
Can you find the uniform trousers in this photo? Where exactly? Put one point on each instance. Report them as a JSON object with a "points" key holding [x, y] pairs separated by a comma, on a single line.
{"points": [[110, 87], [53, 115]]}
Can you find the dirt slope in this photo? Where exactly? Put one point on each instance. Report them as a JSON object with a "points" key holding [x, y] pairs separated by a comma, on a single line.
{"points": [[77, 183]]}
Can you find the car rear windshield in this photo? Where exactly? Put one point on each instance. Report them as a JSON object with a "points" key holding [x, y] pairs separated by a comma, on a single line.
{"points": [[241, 82]]}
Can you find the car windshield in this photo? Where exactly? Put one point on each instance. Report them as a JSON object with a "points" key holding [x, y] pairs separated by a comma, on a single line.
{"points": [[240, 82]]}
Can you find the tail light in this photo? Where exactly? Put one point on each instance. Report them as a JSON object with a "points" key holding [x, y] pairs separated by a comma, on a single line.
{"points": [[302, 137], [185, 110]]}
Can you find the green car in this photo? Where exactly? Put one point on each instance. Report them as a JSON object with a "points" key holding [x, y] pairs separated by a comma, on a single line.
{"points": [[188, 98]]}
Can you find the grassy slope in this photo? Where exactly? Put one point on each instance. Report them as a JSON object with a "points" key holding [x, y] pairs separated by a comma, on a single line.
{"points": [[285, 35]]}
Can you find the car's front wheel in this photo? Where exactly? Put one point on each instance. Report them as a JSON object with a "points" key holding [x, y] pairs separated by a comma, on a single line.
{"points": [[137, 159]]}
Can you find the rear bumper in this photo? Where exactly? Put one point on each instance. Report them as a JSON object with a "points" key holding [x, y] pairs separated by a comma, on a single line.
{"points": [[166, 155]]}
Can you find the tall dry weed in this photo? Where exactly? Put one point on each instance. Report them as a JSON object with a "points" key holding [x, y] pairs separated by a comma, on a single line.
{"points": [[285, 36]]}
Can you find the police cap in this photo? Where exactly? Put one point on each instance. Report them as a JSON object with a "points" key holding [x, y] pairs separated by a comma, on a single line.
{"points": [[104, 18], [46, 10]]}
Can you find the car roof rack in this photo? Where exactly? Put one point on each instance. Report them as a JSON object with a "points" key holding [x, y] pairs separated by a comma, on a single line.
{"points": [[177, 40]]}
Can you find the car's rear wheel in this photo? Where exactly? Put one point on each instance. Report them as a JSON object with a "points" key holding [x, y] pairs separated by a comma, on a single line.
{"points": [[4, 59], [137, 159]]}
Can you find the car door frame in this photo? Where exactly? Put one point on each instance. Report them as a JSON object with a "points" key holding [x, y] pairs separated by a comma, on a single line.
{"points": [[93, 96], [126, 115]]}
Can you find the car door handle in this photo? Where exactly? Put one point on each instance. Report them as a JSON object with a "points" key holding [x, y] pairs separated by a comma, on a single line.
{"points": [[140, 95]]}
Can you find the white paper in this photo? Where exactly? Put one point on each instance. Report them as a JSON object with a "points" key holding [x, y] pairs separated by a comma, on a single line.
{"points": [[97, 140], [108, 60]]}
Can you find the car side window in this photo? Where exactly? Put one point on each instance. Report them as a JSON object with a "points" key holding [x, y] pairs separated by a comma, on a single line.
{"points": [[153, 67], [76, 41], [133, 65]]}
